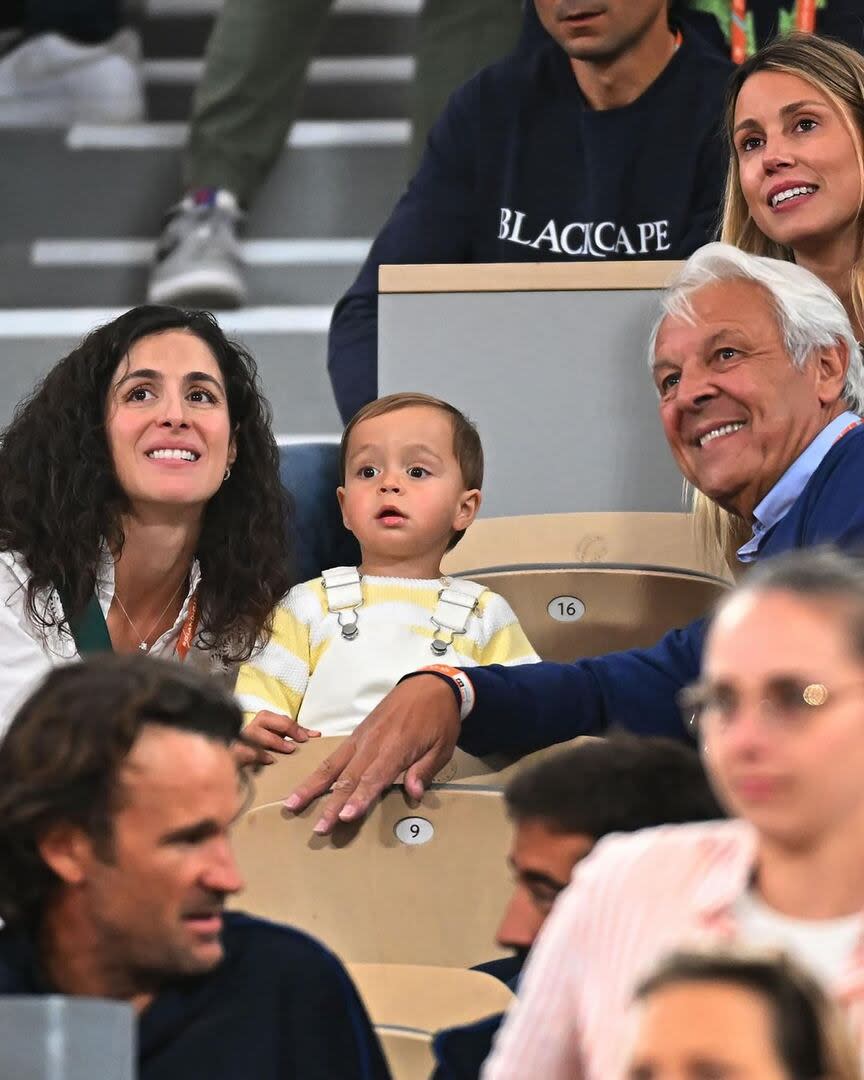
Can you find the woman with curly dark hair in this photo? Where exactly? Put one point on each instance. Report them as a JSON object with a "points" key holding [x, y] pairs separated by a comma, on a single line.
{"points": [[140, 503]]}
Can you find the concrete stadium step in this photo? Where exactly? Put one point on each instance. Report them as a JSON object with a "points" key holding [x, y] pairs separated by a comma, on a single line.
{"points": [[120, 182], [74, 273], [157, 8], [291, 362], [346, 34], [333, 186], [341, 88]]}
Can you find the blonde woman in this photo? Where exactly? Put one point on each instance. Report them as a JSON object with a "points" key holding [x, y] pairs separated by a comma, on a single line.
{"points": [[795, 188]]}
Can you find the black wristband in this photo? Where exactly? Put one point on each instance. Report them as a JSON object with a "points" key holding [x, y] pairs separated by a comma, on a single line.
{"points": [[457, 693]]}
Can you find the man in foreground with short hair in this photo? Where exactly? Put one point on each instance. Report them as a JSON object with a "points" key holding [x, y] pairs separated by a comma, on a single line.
{"points": [[760, 385], [560, 807], [117, 794], [779, 709]]}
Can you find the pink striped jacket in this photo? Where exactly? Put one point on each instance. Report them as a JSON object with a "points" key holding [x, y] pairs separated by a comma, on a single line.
{"points": [[636, 898]]}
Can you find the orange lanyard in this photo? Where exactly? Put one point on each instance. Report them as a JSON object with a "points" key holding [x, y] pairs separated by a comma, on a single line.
{"points": [[805, 20], [848, 428], [187, 630]]}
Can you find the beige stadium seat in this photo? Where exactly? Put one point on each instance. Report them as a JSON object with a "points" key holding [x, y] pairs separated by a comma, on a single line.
{"points": [[274, 782], [569, 612], [478, 773], [428, 998], [659, 540], [410, 884], [409, 1053]]}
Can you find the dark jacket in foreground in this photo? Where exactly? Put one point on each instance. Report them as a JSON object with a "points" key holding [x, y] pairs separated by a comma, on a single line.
{"points": [[279, 1007], [519, 169], [523, 708]]}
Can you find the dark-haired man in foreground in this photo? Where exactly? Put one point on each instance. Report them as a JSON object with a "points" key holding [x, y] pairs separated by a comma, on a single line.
{"points": [[560, 807], [115, 865]]}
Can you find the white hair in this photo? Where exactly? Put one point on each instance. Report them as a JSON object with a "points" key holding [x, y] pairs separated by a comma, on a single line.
{"points": [[809, 314]]}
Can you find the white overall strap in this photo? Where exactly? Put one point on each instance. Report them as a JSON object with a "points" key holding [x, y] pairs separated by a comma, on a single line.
{"points": [[344, 596], [456, 602]]}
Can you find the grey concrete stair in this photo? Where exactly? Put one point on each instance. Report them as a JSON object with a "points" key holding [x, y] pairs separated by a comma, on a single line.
{"points": [[347, 34], [335, 182], [338, 100], [118, 191], [25, 285]]}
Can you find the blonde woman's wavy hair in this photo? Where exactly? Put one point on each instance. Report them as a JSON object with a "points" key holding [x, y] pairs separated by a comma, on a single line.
{"points": [[809, 315], [838, 72]]}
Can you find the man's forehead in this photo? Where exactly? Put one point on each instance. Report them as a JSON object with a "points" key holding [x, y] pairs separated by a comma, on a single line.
{"points": [[535, 837], [738, 305], [164, 758]]}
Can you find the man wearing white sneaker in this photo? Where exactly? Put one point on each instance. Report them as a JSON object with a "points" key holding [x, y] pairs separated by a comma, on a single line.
{"points": [[68, 61], [247, 102]]}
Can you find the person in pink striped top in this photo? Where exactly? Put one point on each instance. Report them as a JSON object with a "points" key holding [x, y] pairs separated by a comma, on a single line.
{"points": [[780, 715]]}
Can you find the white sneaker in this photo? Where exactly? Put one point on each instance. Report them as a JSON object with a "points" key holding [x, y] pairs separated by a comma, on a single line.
{"points": [[49, 80], [198, 261]]}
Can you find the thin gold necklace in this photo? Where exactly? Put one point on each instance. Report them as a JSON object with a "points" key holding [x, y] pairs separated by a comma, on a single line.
{"points": [[142, 645]]}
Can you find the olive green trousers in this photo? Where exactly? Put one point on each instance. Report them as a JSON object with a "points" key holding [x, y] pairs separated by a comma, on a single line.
{"points": [[255, 70]]}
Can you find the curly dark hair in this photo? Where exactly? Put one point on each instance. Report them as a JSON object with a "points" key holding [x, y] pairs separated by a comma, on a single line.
{"points": [[62, 758], [60, 498]]}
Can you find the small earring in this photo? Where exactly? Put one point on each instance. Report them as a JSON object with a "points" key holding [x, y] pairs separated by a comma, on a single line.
{"points": [[227, 473]]}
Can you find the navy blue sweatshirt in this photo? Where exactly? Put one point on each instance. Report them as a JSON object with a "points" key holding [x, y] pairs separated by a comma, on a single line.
{"points": [[279, 1007], [519, 169], [519, 709]]}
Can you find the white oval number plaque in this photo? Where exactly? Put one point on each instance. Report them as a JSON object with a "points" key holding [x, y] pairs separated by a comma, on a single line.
{"points": [[566, 608], [414, 830]]}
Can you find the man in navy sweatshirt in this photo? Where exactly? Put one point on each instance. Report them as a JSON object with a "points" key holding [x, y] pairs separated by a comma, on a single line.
{"points": [[600, 143], [117, 793], [761, 384]]}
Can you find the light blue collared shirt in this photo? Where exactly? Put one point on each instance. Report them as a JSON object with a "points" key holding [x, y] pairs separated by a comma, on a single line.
{"points": [[790, 485]]}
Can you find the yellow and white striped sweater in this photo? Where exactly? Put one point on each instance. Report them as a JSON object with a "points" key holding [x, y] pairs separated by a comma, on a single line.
{"points": [[307, 663]]}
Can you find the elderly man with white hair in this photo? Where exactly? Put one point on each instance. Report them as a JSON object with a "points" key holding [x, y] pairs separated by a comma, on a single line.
{"points": [[760, 386]]}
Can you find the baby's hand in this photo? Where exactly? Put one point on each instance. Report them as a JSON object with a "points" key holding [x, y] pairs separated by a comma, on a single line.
{"points": [[270, 731]]}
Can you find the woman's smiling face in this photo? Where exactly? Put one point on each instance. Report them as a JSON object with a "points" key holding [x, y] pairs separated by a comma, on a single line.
{"points": [[167, 421], [798, 162]]}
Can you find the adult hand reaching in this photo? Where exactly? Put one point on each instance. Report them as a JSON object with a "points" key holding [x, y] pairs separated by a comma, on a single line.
{"points": [[414, 729], [270, 731]]}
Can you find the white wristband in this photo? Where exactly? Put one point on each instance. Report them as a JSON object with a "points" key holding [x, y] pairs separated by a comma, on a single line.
{"points": [[462, 683]]}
